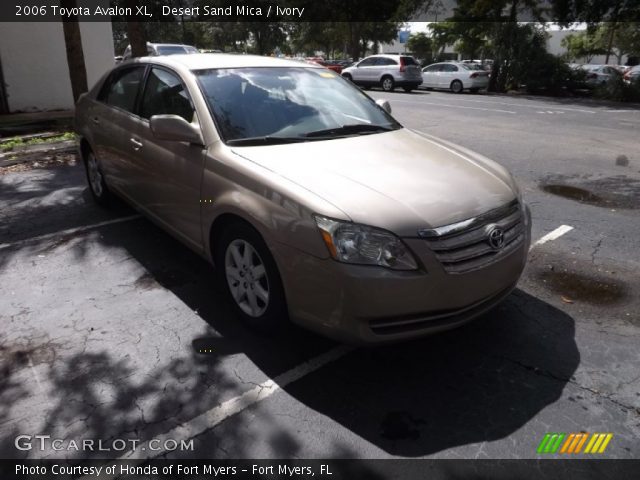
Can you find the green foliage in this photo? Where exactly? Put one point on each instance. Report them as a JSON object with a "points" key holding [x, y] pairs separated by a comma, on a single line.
{"points": [[11, 144], [583, 46], [420, 45]]}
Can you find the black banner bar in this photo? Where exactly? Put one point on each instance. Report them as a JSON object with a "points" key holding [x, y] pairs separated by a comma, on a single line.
{"points": [[577, 469]]}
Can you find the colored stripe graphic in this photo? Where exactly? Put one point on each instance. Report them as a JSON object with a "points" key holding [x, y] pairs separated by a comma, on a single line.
{"points": [[572, 443], [543, 443], [581, 443]]}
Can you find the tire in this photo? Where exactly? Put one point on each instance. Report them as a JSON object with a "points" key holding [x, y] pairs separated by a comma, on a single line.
{"points": [[387, 83], [346, 76], [456, 86], [250, 277], [95, 178]]}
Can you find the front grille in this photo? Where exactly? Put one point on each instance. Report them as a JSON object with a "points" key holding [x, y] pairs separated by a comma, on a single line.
{"points": [[464, 246]]}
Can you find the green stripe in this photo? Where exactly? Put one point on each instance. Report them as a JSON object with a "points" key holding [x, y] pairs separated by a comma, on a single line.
{"points": [[550, 443], [543, 443], [558, 442]]}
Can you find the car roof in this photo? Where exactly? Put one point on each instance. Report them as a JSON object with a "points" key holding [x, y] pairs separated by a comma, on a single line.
{"points": [[202, 61], [389, 55]]}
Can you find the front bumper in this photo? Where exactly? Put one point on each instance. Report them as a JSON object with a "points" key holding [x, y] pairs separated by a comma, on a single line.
{"points": [[368, 304]]}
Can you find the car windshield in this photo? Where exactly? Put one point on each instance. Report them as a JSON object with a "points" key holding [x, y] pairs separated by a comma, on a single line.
{"points": [[171, 50], [287, 104]]}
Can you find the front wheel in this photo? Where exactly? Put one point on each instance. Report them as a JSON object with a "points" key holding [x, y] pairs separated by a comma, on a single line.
{"points": [[346, 76], [251, 277], [387, 84], [456, 86]]}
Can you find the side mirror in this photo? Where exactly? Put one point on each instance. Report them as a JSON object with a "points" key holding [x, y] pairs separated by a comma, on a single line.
{"points": [[174, 128], [384, 104]]}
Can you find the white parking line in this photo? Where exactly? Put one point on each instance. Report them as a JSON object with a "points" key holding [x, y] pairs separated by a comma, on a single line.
{"points": [[69, 231], [539, 105], [557, 233], [452, 106], [216, 415]]}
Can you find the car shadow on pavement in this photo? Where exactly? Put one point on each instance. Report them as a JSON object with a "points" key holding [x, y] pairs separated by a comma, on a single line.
{"points": [[479, 383]]}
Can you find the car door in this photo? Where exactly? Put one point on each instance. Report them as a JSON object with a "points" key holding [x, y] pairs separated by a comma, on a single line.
{"points": [[430, 75], [363, 72], [448, 73], [172, 170], [114, 123]]}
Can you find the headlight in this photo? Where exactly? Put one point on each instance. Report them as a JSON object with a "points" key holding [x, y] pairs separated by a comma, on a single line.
{"points": [[352, 243]]}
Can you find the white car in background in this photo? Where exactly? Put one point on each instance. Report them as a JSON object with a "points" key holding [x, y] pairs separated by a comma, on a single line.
{"points": [[598, 75], [455, 76]]}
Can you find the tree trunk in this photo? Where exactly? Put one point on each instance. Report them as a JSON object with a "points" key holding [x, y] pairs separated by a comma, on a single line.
{"points": [[136, 33], [75, 54], [610, 43]]}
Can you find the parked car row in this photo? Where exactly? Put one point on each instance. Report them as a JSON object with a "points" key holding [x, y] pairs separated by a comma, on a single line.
{"points": [[391, 71]]}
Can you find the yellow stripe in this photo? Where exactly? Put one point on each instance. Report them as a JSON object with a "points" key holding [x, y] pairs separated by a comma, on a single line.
{"points": [[584, 439], [567, 442], [605, 443], [598, 442], [591, 442], [574, 443]]}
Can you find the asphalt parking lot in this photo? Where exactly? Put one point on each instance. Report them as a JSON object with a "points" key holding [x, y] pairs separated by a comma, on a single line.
{"points": [[105, 319]]}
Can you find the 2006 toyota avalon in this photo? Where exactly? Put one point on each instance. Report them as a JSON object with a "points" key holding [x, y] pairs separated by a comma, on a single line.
{"points": [[312, 202]]}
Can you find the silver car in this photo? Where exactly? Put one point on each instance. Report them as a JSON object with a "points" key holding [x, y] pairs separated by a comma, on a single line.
{"points": [[598, 75], [154, 49], [386, 71], [455, 76], [311, 200]]}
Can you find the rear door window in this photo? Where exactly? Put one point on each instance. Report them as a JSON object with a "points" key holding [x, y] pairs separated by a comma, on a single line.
{"points": [[433, 68], [121, 90], [368, 62]]}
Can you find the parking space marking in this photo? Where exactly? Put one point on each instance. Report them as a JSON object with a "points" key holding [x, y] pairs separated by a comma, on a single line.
{"points": [[555, 234], [69, 231], [538, 106], [216, 415], [452, 106]]}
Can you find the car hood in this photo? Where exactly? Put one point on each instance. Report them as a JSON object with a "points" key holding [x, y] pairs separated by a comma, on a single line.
{"points": [[401, 180]]}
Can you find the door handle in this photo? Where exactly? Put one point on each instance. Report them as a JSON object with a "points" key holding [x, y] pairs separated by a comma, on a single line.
{"points": [[137, 145]]}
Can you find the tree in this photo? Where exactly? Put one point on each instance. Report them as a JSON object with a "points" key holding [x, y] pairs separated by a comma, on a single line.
{"points": [[75, 53], [583, 46], [136, 33], [420, 45]]}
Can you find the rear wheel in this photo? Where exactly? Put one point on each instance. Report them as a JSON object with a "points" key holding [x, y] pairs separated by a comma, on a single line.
{"points": [[456, 86], [95, 177], [387, 84], [251, 278]]}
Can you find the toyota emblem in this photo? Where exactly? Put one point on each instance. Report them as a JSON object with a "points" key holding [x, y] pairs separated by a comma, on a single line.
{"points": [[495, 237]]}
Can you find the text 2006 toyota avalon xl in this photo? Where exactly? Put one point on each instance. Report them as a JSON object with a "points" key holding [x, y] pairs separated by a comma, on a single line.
{"points": [[312, 202]]}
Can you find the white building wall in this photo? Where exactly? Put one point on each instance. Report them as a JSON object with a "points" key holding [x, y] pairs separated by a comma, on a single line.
{"points": [[34, 62]]}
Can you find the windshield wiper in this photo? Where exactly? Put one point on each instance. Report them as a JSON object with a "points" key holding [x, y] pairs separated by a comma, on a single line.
{"points": [[352, 129], [266, 140]]}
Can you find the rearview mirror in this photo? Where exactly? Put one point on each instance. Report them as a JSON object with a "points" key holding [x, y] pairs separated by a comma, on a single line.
{"points": [[384, 104], [174, 128]]}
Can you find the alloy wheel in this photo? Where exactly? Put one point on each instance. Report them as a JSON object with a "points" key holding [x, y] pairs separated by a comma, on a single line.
{"points": [[247, 278]]}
